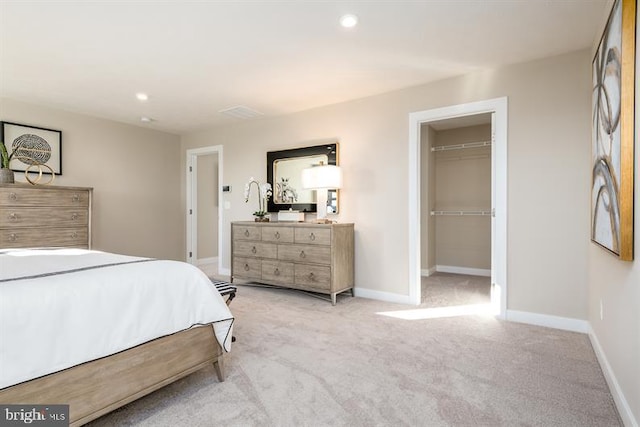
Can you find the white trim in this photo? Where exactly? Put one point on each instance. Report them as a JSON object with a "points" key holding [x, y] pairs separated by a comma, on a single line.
{"points": [[381, 296], [498, 106], [428, 272], [210, 260], [224, 271], [618, 396], [486, 272], [192, 220], [557, 322]]}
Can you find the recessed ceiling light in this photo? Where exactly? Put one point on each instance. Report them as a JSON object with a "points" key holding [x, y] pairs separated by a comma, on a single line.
{"points": [[348, 21], [142, 96], [145, 119]]}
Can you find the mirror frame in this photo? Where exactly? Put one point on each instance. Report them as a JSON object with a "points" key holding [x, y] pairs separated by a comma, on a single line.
{"points": [[331, 150]]}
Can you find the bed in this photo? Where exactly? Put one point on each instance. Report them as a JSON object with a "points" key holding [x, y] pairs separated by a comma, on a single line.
{"points": [[97, 330]]}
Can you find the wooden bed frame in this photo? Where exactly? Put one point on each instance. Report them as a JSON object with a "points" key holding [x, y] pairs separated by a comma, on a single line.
{"points": [[98, 387], [95, 388]]}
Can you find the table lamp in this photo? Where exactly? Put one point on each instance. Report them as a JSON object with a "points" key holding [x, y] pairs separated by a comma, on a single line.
{"points": [[322, 178]]}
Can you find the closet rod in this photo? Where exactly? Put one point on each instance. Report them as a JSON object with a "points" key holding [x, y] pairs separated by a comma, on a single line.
{"points": [[462, 146], [461, 213]]}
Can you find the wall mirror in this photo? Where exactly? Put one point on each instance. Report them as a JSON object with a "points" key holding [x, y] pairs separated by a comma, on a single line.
{"points": [[284, 173]]}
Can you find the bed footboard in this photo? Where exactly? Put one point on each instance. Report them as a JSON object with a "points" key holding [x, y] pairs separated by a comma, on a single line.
{"points": [[96, 388]]}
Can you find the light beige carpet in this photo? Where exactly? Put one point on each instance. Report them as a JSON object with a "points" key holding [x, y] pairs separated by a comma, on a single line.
{"points": [[298, 361]]}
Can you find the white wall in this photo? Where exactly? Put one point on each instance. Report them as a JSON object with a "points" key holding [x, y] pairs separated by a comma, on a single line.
{"points": [[549, 116], [134, 173]]}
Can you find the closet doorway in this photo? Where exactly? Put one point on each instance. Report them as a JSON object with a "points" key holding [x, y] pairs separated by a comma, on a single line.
{"points": [[458, 205], [204, 211]]}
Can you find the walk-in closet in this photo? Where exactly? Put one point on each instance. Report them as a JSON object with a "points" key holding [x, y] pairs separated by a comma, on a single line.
{"points": [[456, 200]]}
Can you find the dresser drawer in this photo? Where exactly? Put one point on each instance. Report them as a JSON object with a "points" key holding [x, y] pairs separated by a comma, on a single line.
{"points": [[43, 217], [43, 197], [313, 236], [255, 249], [305, 253], [313, 276], [35, 237], [280, 272], [277, 234], [246, 232], [247, 268]]}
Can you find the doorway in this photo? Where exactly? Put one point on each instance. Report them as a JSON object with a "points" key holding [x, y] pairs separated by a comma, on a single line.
{"points": [[204, 210], [497, 110]]}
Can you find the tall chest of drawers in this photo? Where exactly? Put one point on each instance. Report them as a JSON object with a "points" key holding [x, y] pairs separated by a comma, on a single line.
{"points": [[44, 216], [306, 256]]}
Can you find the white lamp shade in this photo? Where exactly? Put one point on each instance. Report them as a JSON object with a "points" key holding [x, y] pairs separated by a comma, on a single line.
{"points": [[324, 176]]}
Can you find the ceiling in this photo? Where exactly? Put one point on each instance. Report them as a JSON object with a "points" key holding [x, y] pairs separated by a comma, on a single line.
{"points": [[195, 58]]}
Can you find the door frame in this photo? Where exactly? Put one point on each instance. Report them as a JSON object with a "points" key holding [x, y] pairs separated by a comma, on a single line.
{"points": [[191, 253], [498, 106]]}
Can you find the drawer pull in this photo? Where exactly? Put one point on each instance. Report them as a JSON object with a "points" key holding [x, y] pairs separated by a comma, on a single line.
{"points": [[75, 198], [277, 235], [74, 216], [312, 237], [246, 267], [302, 254], [13, 216], [13, 196], [13, 237], [312, 277], [246, 233], [74, 235], [254, 250], [276, 272]]}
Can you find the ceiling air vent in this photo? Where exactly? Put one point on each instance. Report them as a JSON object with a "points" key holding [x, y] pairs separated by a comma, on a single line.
{"points": [[241, 112]]}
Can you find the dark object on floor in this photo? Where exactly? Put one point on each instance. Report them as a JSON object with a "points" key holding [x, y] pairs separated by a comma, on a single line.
{"points": [[226, 288]]}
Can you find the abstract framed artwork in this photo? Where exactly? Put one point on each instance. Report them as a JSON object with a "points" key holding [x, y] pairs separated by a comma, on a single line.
{"points": [[613, 79], [35, 145]]}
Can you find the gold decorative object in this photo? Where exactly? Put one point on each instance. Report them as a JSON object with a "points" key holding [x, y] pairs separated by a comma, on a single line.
{"points": [[37, 180]]}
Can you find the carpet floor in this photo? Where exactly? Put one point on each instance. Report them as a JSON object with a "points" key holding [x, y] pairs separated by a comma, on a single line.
{"points": [[299, 361]]}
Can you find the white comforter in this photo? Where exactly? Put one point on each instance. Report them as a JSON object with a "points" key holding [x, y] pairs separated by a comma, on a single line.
{"points": [[59, 309]]}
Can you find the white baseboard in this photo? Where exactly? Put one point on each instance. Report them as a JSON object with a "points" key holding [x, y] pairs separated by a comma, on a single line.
{"points": [[618, 397], [427, 272], [564, 323], [464, 270], [212, 260], [382, 296]]}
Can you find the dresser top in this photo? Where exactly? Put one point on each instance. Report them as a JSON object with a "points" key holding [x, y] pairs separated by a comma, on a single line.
{"points": [[291, 224], [44, 187]]}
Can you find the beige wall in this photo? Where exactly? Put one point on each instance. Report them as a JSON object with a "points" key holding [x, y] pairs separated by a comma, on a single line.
{"points": [[463, 182], [134, 173], [549, 115], [207, 206], [615, 285]]}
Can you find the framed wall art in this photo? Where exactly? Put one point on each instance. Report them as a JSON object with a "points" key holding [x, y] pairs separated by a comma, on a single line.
{"points": [[613, 79], [34, 145]]}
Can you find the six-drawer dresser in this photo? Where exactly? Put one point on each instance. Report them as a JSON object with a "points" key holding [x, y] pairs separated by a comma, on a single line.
{"points": [[306, 256], [32, 216]]}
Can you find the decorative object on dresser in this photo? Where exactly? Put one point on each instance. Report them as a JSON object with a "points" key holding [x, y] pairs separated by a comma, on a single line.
{"points": [[52, 216], [284, 173], [321, 178], [264, 192], [291, 215], [6, 174], [33, 146], [306, 256]]}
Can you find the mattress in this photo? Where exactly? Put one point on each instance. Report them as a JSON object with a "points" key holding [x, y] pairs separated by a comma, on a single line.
{"points": [[64, 307]]}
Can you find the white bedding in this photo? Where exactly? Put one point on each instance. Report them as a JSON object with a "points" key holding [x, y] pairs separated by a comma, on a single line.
{"points": [[74, 311]]}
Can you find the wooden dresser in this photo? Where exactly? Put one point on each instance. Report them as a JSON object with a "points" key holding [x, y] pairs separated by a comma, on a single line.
{"points": [[306, 256], [33, 216]]}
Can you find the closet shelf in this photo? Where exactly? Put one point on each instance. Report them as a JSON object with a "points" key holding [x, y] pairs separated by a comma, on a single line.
{"points": [[461, 213], [478, 144]]}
